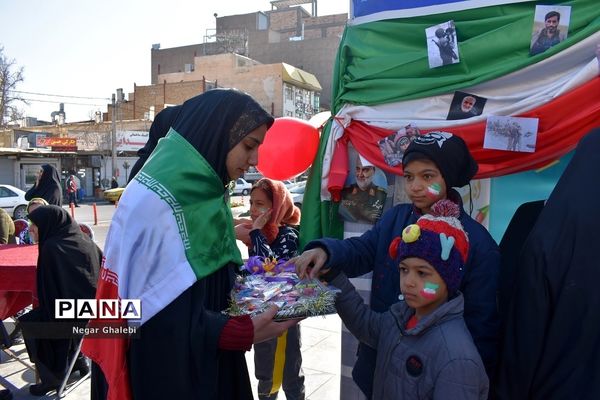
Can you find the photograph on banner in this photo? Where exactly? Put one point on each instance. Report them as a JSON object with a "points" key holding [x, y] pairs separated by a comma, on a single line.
{"points": [[365, 190], [442, 47], [511, 133], [480, 197], [465, 105], [393, 146], [550, 27]]}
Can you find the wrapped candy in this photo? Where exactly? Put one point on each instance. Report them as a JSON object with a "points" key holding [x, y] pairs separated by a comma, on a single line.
{"points": [[270, 282]]}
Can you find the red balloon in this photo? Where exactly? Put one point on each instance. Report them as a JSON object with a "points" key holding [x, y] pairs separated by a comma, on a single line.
{"points": [[289, 148]]}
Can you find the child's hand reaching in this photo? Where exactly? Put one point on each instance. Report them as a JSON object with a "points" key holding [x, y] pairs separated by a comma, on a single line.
{"points": [[262, 219]]}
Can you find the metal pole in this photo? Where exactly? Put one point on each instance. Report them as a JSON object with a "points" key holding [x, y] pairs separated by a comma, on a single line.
{"points": [[113, 136]]}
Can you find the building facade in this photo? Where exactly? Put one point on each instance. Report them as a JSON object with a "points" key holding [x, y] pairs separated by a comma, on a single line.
{"points": [[285, 34]]}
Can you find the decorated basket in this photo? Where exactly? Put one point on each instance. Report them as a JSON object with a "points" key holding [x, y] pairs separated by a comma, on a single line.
{"points": [[267, 281]]}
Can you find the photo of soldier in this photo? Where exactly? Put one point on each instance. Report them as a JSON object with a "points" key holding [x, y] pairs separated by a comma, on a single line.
{"points": [[393, 146], [550, 27], [364, 196], [511, 133], [442, 46]]}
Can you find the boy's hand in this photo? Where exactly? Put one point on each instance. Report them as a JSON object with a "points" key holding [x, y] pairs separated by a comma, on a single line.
{"points": [[265, 328], [310, 263]]}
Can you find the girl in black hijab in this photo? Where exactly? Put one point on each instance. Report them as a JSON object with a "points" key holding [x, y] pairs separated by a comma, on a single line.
{"points": [[552, 336], [186, 347], [68, 265], [47, 186]]}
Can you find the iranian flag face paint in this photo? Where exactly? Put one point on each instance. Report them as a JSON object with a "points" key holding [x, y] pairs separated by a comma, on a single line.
{"points": [[429, 291], [434, 190]]}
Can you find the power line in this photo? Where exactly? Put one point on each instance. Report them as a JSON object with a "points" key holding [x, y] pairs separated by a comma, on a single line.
{"points": [[60, 95], [64, 102]]}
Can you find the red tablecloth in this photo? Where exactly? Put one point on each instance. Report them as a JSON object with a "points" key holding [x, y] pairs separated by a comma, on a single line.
{"points": [[17, 278]]}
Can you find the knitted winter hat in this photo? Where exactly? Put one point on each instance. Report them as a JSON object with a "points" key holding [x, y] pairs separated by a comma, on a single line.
{"points": [[449, 153], [438, 238]]}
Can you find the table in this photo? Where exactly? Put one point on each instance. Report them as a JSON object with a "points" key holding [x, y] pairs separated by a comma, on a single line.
{"points": [[17, 278]]}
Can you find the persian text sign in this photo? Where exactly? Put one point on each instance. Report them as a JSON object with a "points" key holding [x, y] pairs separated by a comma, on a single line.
{"points": [[49, 141], [131, 140]]}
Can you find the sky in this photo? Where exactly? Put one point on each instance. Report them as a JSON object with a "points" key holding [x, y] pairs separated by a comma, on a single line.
{"points": [[86, 49]]}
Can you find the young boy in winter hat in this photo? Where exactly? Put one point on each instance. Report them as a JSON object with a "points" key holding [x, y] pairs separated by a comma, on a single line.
{"points": [[433, 165], [424, 350]]}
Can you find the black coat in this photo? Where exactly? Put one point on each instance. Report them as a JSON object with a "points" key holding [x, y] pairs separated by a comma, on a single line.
{"points": [[552, 338], [48, 187], [67, 268]]}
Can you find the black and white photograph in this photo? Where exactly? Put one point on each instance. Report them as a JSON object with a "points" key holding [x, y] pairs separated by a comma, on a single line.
{"points": [[511, 133], [550, 27], [442, 45], [465, 105]]}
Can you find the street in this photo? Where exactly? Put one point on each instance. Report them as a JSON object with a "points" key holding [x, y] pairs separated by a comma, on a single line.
{"points": [[320, 335]]}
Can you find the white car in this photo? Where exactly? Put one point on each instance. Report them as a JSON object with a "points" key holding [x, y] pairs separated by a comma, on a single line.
{"points": [[298, 193], [242, 187], [12, 200]]}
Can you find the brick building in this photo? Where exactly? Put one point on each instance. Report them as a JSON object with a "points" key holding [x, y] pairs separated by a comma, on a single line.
{"points": [[282, 89], [285, 34]]}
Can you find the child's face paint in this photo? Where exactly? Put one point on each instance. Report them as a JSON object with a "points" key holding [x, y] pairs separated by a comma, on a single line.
{"points": [[423, 288], [434, 190], [429, 290]]}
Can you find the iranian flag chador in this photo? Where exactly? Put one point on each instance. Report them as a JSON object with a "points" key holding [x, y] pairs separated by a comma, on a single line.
{"points": [[187, 210]]}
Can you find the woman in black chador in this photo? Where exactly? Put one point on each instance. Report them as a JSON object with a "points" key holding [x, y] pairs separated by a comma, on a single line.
{"points": [[552, 336], [67, 268], [47, 186]]}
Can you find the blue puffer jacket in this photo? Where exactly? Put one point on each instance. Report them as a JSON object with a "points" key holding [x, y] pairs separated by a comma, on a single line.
{"points": [[369, 252], [434, 360]]}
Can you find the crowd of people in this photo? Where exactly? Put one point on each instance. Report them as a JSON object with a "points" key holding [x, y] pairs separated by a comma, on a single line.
{"points": [[432, 328]]}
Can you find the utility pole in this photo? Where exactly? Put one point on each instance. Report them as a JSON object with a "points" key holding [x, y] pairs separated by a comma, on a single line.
{"points": [[113, 136]]}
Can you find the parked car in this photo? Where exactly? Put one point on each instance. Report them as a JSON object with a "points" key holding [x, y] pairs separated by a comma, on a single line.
{"points": [[12, 200], [113, 195], [252, 175], [242, 187], [298, 193]]}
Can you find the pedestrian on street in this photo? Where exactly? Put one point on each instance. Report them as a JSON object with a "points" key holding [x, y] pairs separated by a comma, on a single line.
{"points": [[71, 186], [47, 186]]}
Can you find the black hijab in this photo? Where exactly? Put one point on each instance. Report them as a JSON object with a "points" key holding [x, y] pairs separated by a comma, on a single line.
{"points": [[159, 128], [48, 187], [68, 261], [213, 122], [217, 120], [552, 338]]}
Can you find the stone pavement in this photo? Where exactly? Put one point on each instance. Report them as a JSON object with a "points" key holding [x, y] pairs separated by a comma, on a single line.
{"points": [[320, 352]]}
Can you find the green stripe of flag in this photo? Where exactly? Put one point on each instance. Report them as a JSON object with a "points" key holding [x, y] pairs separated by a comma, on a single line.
{"points": [[386, 61], [202, 214]]}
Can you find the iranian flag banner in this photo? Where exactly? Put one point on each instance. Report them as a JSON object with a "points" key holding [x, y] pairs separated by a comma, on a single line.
{"points": [[382, 82], [156, 257]]}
